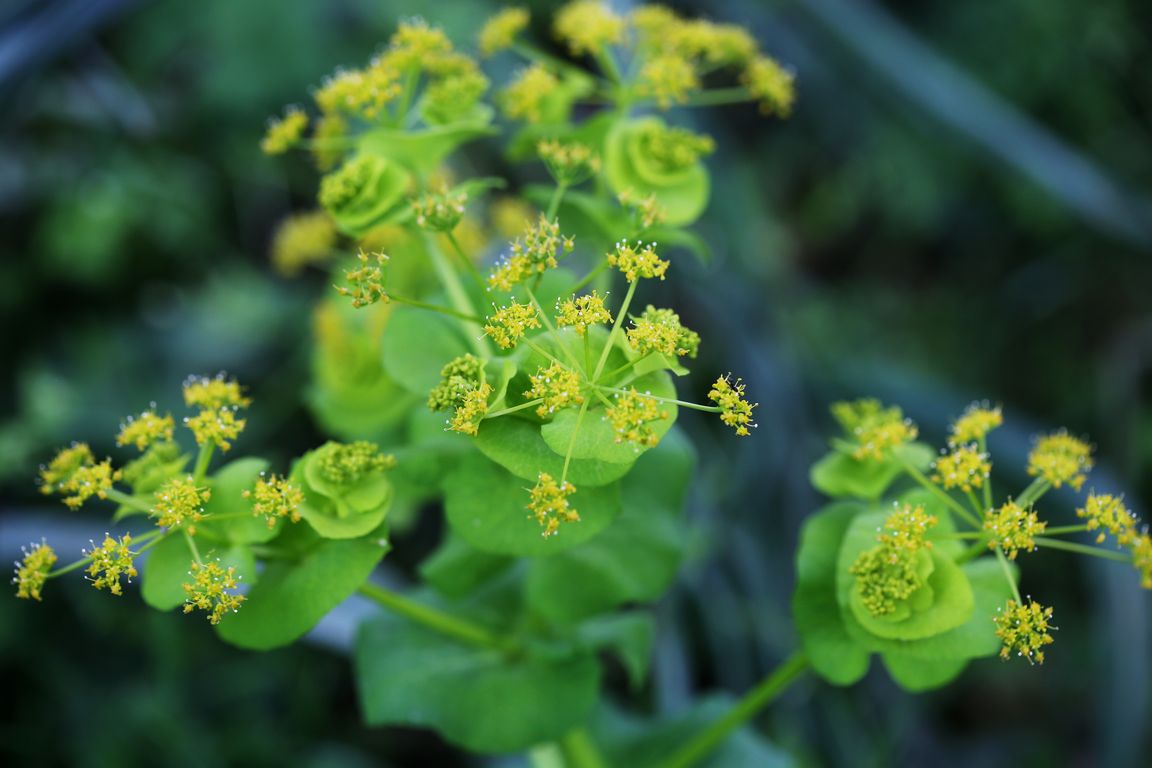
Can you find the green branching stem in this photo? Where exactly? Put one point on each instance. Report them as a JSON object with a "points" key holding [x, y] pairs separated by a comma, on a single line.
{"points": [[513, 409], [939, 493], [572, 441], [588, 278], [436, 620], [457, 295], [615, 330], [128, 501], [552, 329], [767, 691], [192, 546], [988, 479], [580, 751], [203, 459], [973, 552], [1003, 560], [1063, 529], [435, 308], [1033, 492], [1082, 549], [976, 506], [468, 263], [554, 203], [150, 538], [668, 400]]}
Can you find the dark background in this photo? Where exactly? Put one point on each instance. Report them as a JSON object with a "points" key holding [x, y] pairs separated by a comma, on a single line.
{"points": [[958, 210]]}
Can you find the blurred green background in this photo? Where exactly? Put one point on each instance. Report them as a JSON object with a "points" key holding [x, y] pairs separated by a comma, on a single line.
{"points": [[959, 209]]}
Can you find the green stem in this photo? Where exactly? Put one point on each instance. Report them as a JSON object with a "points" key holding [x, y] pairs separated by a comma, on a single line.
{"points": [[192, 546], [436, 620], [552, 330], [572, 440], [988, 479], [457, 295], [513, 409], [975, 502], [973, 552], [1033, 492], [149, 538], [705, 742], [468, 263], [718, 97], [626, 366], [436, 308], [669, 400], [956, 506], [580, 751], [554, 203], [615, 329], [541, 351], [588, 278], [203, 459], [1082, 549], [128, 501], [1061, 529], [1008, 574], [410, 80]]}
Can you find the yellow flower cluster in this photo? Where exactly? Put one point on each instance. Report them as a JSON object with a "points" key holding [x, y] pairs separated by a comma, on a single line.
{"points": [[1013, 528], [892, 571], [1024, 629], [209, 590], [462, 388], [500, 31], [75, 473], [735, 411], [646, 210], [678, 148], [111, 561], [669, 78], [976, 422], [631, 416], [471, 410], [146, 429], [32, 570], [55, 476], [548, 502], [1060, 458], [557, 386], [534, 252], [964, 467], [359, 92], [876, 429], [582, 312], [524, 97], [219, 426], [661, 29], [588, 26], [180, 504], [284, 132], [1105, 512], [659, 330], [303, 239], [570, 163], [274, 497], [508, 324], [637, 261], [770, 84], [214, 393], [440, 211], [366, 281], [906, 527], [346, 464]]}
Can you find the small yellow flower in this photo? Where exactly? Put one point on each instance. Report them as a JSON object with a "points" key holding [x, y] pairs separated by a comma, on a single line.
{"points": [[770, 84], [976, 422], [965, 467], [180, 504], [1060, 458], [906, 528], [440, 211], [675, 149], [533, 253], [86, 482], [471, 410], [111, 561], [347, 464], [582, 312], [146, 429], [366, 281], [275, 497], [209, 590], [1142, 558], [637, 261], [1024, 629], [549, 504], [884, 577], [587, 26], [63, 466], [507, 325], [359, 92], [500, 31], [669, 78], [303, 239], [735, 411], [557, 386], [875, 429], [216, 426], [524, 96], [631, 416], [1107, 512], [32, 570], [570, 163], [645, 209], [459, 377], [415, 43], [284, 132], [212, 393], [659, 330], [1013, 528]]}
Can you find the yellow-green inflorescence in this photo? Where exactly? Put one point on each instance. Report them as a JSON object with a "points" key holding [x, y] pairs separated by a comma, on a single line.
{"points": [[891, 572], [548, 502], [569, 162], [964, 467], [535, 252], [524, 97], [582, 312], [659, 330], [557, 386], [500, 31], [144, 430], [75, 474], [631, 416], [508, 324], [111, 561], [735, 410], [440, 211], [179, 503], [1107, 513], [1013, 528], [1024, 629], [275, 497], [365, 282], [463, 390], [347, 463], [32, 570], [1061, 459], [637, 261], [976, 422], [589, 26], [876, 430], [219, 399], [212, 590], [284, 132]]}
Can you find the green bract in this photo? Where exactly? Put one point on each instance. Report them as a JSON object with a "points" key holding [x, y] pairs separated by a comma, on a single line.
{"points": [[342, 504], [365, 191], [645, 157]]}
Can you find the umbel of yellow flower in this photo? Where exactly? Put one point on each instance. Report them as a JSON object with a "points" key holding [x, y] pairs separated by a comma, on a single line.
{"points": [[570, 163], [669, 78], [219, 426], [210, 588], [347, 464], [558, 387], [471, 410], [274, 497], [462, 388], [75, 472], [587, 26], [1060, 458], [976, 422], [770, 84], [440, 211], [646, 210], [284, 132], [906, 527], [637, 261], [1105, 512], [366, 281], [735, 411], [659, 330], [1013, 528], [582, 312], [180, 503], [965, 467], [549, 504], [213, 393], [303, 239], [1024, 629], [524, 97], [534, 252], [875, 428], [507, 325], [111, 561], [146, 429], [631, 416], [500, 31], [893, 571], [32, 570]]}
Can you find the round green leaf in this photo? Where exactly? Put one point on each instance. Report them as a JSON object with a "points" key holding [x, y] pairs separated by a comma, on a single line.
{"points": [[240, 526], [628, 166], [483, 700], [422, 151], [917, 674], [839, 475], [417, 344], [165, 572], [488, 508], [517, 445], [364, 192]]}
